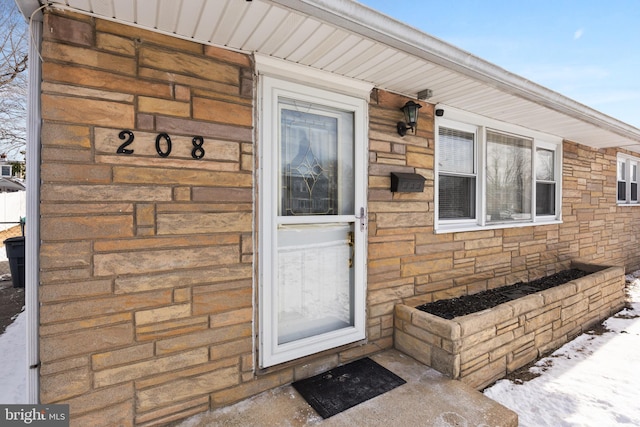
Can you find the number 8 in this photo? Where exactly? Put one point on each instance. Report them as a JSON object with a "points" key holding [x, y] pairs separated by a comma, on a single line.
{"points": [[198, 150]]}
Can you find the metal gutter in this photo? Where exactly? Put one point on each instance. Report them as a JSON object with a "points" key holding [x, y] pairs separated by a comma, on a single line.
{"points": [[376, 26]]}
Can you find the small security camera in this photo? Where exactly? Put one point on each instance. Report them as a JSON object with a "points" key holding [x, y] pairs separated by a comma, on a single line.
{"points": [[439, 112]]}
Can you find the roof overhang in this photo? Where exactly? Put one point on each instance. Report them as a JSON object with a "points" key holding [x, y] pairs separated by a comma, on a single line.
{"points": [[351, 40]]}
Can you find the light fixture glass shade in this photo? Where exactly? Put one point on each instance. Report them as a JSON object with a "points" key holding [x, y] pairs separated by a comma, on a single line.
{"points": [[410, 110]]}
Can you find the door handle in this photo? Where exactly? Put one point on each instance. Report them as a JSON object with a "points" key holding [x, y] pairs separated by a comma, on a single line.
{"points": [[362, 218]]}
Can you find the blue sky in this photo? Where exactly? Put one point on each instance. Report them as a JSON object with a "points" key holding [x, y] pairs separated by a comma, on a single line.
{"points": [[584, 49]]}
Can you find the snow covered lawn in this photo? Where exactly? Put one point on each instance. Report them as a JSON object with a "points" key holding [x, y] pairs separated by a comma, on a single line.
{"points": [[592, 381], [13, 362]]}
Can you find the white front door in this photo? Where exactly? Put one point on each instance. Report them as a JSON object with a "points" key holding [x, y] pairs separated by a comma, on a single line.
{"points": [[313, 228]]}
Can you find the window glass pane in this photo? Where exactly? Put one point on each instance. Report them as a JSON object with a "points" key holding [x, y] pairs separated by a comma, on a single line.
{"points": [[316, 158], [622, 191], [508, 178], [6, 170], [544, 165], [545, 199], [621, 170], [456, 197], [634, 182], [456, 151]]}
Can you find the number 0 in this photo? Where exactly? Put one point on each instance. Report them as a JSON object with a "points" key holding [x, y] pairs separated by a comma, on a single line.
{"points": [[159, 148]]}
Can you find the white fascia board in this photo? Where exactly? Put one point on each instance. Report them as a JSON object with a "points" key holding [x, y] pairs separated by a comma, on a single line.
{"points": [[372, 24], [456, 115], [28, 7]]}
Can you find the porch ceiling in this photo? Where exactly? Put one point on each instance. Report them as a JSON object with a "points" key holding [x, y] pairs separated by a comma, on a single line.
{"points": [[352, 40]]}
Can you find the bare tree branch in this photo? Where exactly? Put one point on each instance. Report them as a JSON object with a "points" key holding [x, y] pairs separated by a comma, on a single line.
{"points": [[14, 46]]}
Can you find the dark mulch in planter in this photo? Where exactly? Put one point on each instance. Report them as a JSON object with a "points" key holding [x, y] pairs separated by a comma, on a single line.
{"points": [[467, 304]]}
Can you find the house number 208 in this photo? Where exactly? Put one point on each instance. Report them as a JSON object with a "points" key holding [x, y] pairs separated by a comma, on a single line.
{"points": [[163, 144]]}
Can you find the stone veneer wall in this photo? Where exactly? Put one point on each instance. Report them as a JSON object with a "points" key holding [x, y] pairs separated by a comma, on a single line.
{"points": [[407, 259], [147, 263], [481, 348]]}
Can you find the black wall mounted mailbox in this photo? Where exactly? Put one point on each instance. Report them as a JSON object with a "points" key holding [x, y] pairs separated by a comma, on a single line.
{"points": [[407, 182]]}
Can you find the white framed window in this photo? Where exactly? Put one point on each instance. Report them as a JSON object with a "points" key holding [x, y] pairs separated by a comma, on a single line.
{"points": [[457, 173], [6, 170], [491, 174], [546, 180], [627, 189]]}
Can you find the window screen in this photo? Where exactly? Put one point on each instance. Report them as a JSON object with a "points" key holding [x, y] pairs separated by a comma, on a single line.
{"points": [[457, 178]]}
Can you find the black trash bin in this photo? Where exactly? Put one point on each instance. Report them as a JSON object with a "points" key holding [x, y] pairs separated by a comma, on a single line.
{"points": [[15, 253]]}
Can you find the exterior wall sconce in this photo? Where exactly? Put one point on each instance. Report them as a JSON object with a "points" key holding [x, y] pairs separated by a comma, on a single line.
{"points": [[410, 111]]}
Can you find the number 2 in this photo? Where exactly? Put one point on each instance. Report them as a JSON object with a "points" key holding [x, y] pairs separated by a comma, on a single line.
{"points": [[128, 135]]}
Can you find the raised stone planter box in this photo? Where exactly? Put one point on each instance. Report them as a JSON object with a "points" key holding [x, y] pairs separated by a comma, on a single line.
{"points": [[483, 347]]}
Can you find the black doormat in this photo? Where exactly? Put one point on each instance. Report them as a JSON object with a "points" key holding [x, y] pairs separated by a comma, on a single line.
{"points": [[346, 386]]}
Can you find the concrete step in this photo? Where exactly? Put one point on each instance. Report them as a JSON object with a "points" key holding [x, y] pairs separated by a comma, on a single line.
{"points": [[427, 399]]}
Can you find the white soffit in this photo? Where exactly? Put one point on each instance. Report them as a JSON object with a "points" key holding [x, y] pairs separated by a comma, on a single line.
{"points": [[351, 40]]}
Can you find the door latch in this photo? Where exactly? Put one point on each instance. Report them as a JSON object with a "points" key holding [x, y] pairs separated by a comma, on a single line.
{"points": [[363, 219]]}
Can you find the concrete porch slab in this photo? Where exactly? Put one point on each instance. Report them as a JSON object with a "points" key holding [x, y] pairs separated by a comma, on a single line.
{"points": [[427, 399]]}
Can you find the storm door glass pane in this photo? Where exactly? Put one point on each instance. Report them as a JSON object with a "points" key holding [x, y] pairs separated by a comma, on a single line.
{"points": [[316, 160], [315, 289], [509, 177]]}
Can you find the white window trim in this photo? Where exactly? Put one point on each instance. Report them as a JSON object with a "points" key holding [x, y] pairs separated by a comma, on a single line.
{"points": [[557, 149], [628, 160], [458, 119]]}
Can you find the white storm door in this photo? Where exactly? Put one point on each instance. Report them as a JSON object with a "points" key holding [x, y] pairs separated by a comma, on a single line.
{"points": [[312, 295]]}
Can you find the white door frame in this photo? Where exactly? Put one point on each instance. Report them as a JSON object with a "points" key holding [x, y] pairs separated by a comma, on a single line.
{"points": [[270, 90]]}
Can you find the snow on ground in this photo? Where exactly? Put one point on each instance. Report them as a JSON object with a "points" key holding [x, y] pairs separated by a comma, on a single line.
{"points": [[13, 362], [591, 381]]}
